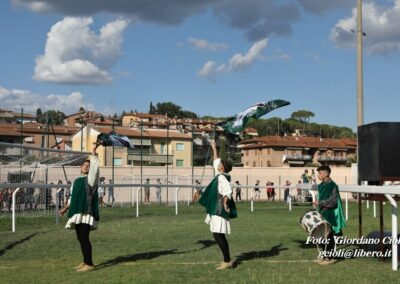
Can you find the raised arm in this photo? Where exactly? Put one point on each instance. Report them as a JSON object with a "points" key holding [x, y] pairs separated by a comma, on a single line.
{"points": [[93, 175], [214, 149]]}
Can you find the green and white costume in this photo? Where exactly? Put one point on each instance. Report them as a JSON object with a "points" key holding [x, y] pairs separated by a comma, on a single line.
{"points": [[84, 201], [330, 205], [221, 185]]}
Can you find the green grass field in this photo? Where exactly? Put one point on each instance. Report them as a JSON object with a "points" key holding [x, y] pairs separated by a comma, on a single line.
{"points": [[159, 247]]}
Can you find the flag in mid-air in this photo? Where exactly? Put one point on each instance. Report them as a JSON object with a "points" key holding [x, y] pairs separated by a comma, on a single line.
{"points": [[238, 122], [113, 139]]}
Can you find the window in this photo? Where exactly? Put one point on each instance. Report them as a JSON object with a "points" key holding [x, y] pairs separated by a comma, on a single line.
{"points": [[254, 164], [179, 163], [269, 151], [247, 152], [180, 147], [162, 148], [117, 162]]}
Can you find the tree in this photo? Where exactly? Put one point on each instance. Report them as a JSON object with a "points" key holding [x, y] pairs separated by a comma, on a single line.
{"points": [[152, 109], [302, 115], [56, 117], [189, 114], [81, 109], [38, 114], [170, 109]]}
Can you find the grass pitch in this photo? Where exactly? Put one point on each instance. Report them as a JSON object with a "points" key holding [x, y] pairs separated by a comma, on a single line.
{"points": [[159, 247]]}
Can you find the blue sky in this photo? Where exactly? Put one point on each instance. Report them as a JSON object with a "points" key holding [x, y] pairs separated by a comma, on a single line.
{"points": [[213, 57]]}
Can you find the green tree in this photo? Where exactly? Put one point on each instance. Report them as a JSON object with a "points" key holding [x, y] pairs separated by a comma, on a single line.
{"points": [[170, 109], [302, 115], [56, 117], [152, 109], [38, 114], [189, 114]]}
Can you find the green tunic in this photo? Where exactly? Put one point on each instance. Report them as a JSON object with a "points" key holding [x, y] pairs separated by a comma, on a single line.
{"points": [[84, 199], [334, 215], [211, 200]]}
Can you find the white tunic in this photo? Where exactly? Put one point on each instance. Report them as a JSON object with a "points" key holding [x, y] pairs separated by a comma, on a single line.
{"points": [[79, 218], [217, 223]]}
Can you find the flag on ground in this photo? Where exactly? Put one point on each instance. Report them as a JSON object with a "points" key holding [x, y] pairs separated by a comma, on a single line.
{"points": [[113, 139], [238, 122]]}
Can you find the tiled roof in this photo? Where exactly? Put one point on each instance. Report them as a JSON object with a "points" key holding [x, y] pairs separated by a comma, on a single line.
{"points": [[34, 128], [147, 133], [146, 115], [302, 142]]}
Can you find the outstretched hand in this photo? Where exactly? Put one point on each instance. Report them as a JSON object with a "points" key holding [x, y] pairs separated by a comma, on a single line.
{"points": [[97, 144]]}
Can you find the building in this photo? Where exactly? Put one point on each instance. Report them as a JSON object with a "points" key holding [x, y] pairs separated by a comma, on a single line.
{"points": [[277, 151], [150, 120], [83, 118], [36, 134], [157, 147], [9, 116]]}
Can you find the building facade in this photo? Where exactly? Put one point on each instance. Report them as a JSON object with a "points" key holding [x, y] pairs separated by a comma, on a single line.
{"points": [[276, 151]]}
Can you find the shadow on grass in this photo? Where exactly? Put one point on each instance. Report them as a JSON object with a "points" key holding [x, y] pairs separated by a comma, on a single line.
{"points": [[302, 244], [275, 250], [12, 245], [205, 243], [135, 257]]}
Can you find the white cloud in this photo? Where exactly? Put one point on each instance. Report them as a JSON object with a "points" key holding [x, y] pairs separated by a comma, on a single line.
{"points": [[15, 99], [76, 55], [380, 25], [206, 45], [238, 62]]}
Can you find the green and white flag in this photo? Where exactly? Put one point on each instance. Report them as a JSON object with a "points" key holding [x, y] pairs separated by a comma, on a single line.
{"points": [[238, 122]]}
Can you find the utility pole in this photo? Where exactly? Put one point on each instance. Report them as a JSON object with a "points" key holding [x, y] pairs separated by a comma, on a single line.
{"points": [[360, 101]]}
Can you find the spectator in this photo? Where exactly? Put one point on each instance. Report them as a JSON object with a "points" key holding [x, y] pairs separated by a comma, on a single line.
{"points": [[257, 192], [158, 192], [29, 198], [147, 192], [111, 198], [313, 177], [305, 177], [269, 190], [286, 194], [102, 192], [60, 195], [238, 191], [299, 195], [48, 197], [272, 191]]}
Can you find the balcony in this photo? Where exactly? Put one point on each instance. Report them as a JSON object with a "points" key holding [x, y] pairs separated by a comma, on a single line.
{"points": [[298, 157], [138, 151], [331, 159], [146, 156]]}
